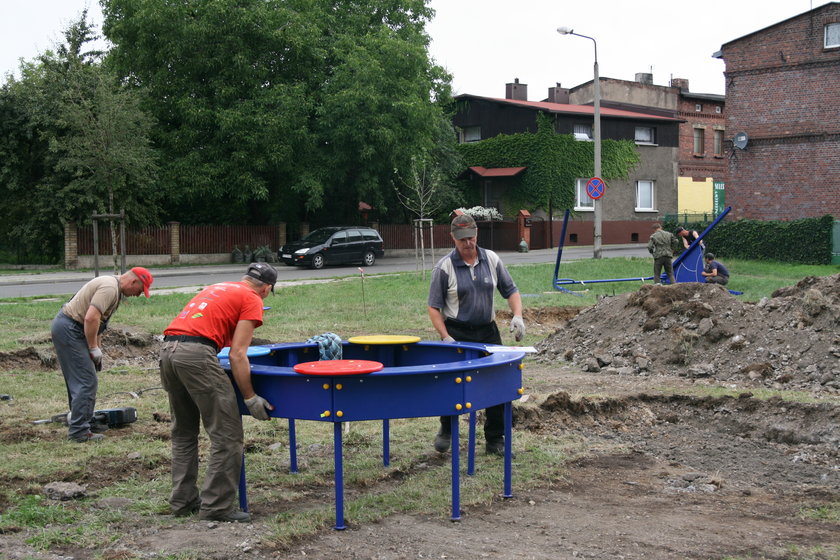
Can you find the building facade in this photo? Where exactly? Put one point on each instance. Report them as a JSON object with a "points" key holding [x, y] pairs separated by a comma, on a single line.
{"points": [[701, 165], [783, 118], [628, 205]]}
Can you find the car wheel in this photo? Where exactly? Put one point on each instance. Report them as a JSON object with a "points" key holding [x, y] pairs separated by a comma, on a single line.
{"points": [[369, 258], [318, 261]]}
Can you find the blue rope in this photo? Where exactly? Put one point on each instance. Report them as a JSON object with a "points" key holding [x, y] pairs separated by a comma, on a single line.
{"points": [[329, 345]]}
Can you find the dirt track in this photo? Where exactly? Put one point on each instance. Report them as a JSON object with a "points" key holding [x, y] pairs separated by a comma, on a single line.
{"points": [[667, 475]]}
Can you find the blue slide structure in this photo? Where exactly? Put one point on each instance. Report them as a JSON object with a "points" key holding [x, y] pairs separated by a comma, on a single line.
{"points": [[687, 266]]}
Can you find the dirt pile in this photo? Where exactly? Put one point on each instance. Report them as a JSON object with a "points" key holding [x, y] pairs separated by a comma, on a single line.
{"points": [[121, 345], [789, 340]]}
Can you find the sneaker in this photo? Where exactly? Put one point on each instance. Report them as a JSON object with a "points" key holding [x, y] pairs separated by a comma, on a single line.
{"points": [[442, 442], [497, 447], [232, 517], [84, 438]]}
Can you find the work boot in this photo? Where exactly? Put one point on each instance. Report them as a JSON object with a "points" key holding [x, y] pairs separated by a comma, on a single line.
{"points": [[442, 441], [497, 447], [98, 427], [234, 516], [191, 509], [84, 438]]}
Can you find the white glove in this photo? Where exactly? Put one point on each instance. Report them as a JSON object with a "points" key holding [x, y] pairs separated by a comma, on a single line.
{"points": [[517, 327], [257, 406], [96, 357], [448, 339]]}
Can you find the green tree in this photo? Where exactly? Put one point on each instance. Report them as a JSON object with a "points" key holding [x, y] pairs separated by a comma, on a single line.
{"points": [[273, 109], [74, 143]]}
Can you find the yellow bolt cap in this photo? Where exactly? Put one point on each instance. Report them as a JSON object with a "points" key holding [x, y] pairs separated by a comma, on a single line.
{"points": [[469, 378], [469, 405], [457, 380], [339, 414], [458, 406]]}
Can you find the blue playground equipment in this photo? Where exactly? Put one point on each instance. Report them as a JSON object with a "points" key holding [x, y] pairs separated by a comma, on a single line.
{"points": [[687, 266], [415, 380]]}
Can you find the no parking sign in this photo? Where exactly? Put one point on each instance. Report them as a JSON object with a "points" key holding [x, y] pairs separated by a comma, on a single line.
{"points": [[595, 188]]}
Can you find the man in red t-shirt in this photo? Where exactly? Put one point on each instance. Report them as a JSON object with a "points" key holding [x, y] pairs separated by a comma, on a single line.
{"points": [[224, 314]]}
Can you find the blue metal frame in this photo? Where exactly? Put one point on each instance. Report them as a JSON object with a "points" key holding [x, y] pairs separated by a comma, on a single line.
{"points": [[417, 380], [687, 266]]}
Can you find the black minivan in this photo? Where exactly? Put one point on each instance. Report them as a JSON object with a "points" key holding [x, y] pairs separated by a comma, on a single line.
{"points": [[334, 245]]}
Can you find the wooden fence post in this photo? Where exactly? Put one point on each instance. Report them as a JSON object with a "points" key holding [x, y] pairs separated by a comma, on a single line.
{"points": [[174, 242], [71, 245]]}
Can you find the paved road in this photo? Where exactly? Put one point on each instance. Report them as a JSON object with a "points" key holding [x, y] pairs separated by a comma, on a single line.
{"points": [[63, 283]]}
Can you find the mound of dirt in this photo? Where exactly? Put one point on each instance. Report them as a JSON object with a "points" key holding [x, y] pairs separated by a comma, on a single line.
{"points": [[697, 330], [121, 345]]}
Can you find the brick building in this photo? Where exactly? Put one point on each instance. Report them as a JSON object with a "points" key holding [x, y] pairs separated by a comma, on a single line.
{"points": [[701, 164], [783, 107]]}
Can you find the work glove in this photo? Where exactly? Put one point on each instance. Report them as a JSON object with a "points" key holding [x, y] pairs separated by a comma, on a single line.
{"points": [[257, 406], [517, 327], [96, 357], [448, 339]]}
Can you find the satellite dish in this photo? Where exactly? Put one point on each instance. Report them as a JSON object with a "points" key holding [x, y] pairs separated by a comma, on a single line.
{"points": [[741, 140]]}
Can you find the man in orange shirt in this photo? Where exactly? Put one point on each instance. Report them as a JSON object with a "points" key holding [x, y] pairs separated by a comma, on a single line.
{"points": [[224, 314]]}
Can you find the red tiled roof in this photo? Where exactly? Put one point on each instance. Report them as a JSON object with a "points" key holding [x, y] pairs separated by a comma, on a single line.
{"points": [[565, 108], [497, 171]]}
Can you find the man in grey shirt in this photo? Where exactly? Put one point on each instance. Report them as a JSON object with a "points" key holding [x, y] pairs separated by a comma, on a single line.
{"points": [[461, 309]]}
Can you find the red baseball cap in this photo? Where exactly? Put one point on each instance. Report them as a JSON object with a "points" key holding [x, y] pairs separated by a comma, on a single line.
{"points": [[145, 276]]}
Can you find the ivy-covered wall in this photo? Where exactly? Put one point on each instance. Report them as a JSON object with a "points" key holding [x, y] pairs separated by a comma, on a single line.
{"points": [[553, 163]]}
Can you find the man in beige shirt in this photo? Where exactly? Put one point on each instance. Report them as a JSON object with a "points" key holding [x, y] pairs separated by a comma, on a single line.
{"points": [[76, 333]]}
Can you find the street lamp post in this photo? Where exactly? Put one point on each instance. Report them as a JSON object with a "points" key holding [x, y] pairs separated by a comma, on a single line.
{"points": [[596, 136]]}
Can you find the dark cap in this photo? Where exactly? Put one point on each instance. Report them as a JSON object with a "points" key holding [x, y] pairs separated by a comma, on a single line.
{"points": [[464, 226], [679, 230], [263, 272], [710, 256]]}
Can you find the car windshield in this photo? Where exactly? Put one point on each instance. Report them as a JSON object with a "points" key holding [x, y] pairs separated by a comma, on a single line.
{"points": [[319, 235]]}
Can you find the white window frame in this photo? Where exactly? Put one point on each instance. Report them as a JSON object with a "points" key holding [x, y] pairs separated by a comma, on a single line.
{"points": [[650, 186], [698, 107], [718, 110], [652, 135], [470, 134], [832, 36], [718, 137], [702, 133], [583, 203], [582, 132]]}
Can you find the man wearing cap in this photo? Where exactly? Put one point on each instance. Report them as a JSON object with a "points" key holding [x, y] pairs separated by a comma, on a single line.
{"points": [[224, 314], [688, 237], [76, 334], [461, 309], [714, 271]]}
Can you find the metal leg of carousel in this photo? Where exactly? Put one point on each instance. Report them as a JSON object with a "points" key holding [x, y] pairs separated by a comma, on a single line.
{"points": [[243, 489], [386, 442], [471, 446], [456, 471], [292, 447], [339, 478], [508, 448]]}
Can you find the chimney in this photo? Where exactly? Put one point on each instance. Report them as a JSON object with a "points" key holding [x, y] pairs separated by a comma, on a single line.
{"points": [[516, 91], [558, 94], [644, 78], [681, 83]]}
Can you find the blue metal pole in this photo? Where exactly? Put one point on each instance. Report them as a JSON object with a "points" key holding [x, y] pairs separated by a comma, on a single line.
{"points": [[508, 448], [243, 490], [386, 442], [293, 466], [456, 474], [471, 446], [339, 477]]}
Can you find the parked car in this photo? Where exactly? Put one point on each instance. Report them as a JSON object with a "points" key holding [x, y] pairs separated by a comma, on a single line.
{"points": [[334, 245]]}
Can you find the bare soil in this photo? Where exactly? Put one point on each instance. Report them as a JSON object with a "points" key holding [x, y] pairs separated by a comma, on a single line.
{"points": [[669, 472]]}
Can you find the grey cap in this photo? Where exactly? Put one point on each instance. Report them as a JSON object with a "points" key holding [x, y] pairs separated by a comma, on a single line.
{"points": [[263, 272], [464, 226]]}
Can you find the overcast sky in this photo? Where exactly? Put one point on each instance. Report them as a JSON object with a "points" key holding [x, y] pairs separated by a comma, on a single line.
{"points": [[485, 44]]}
